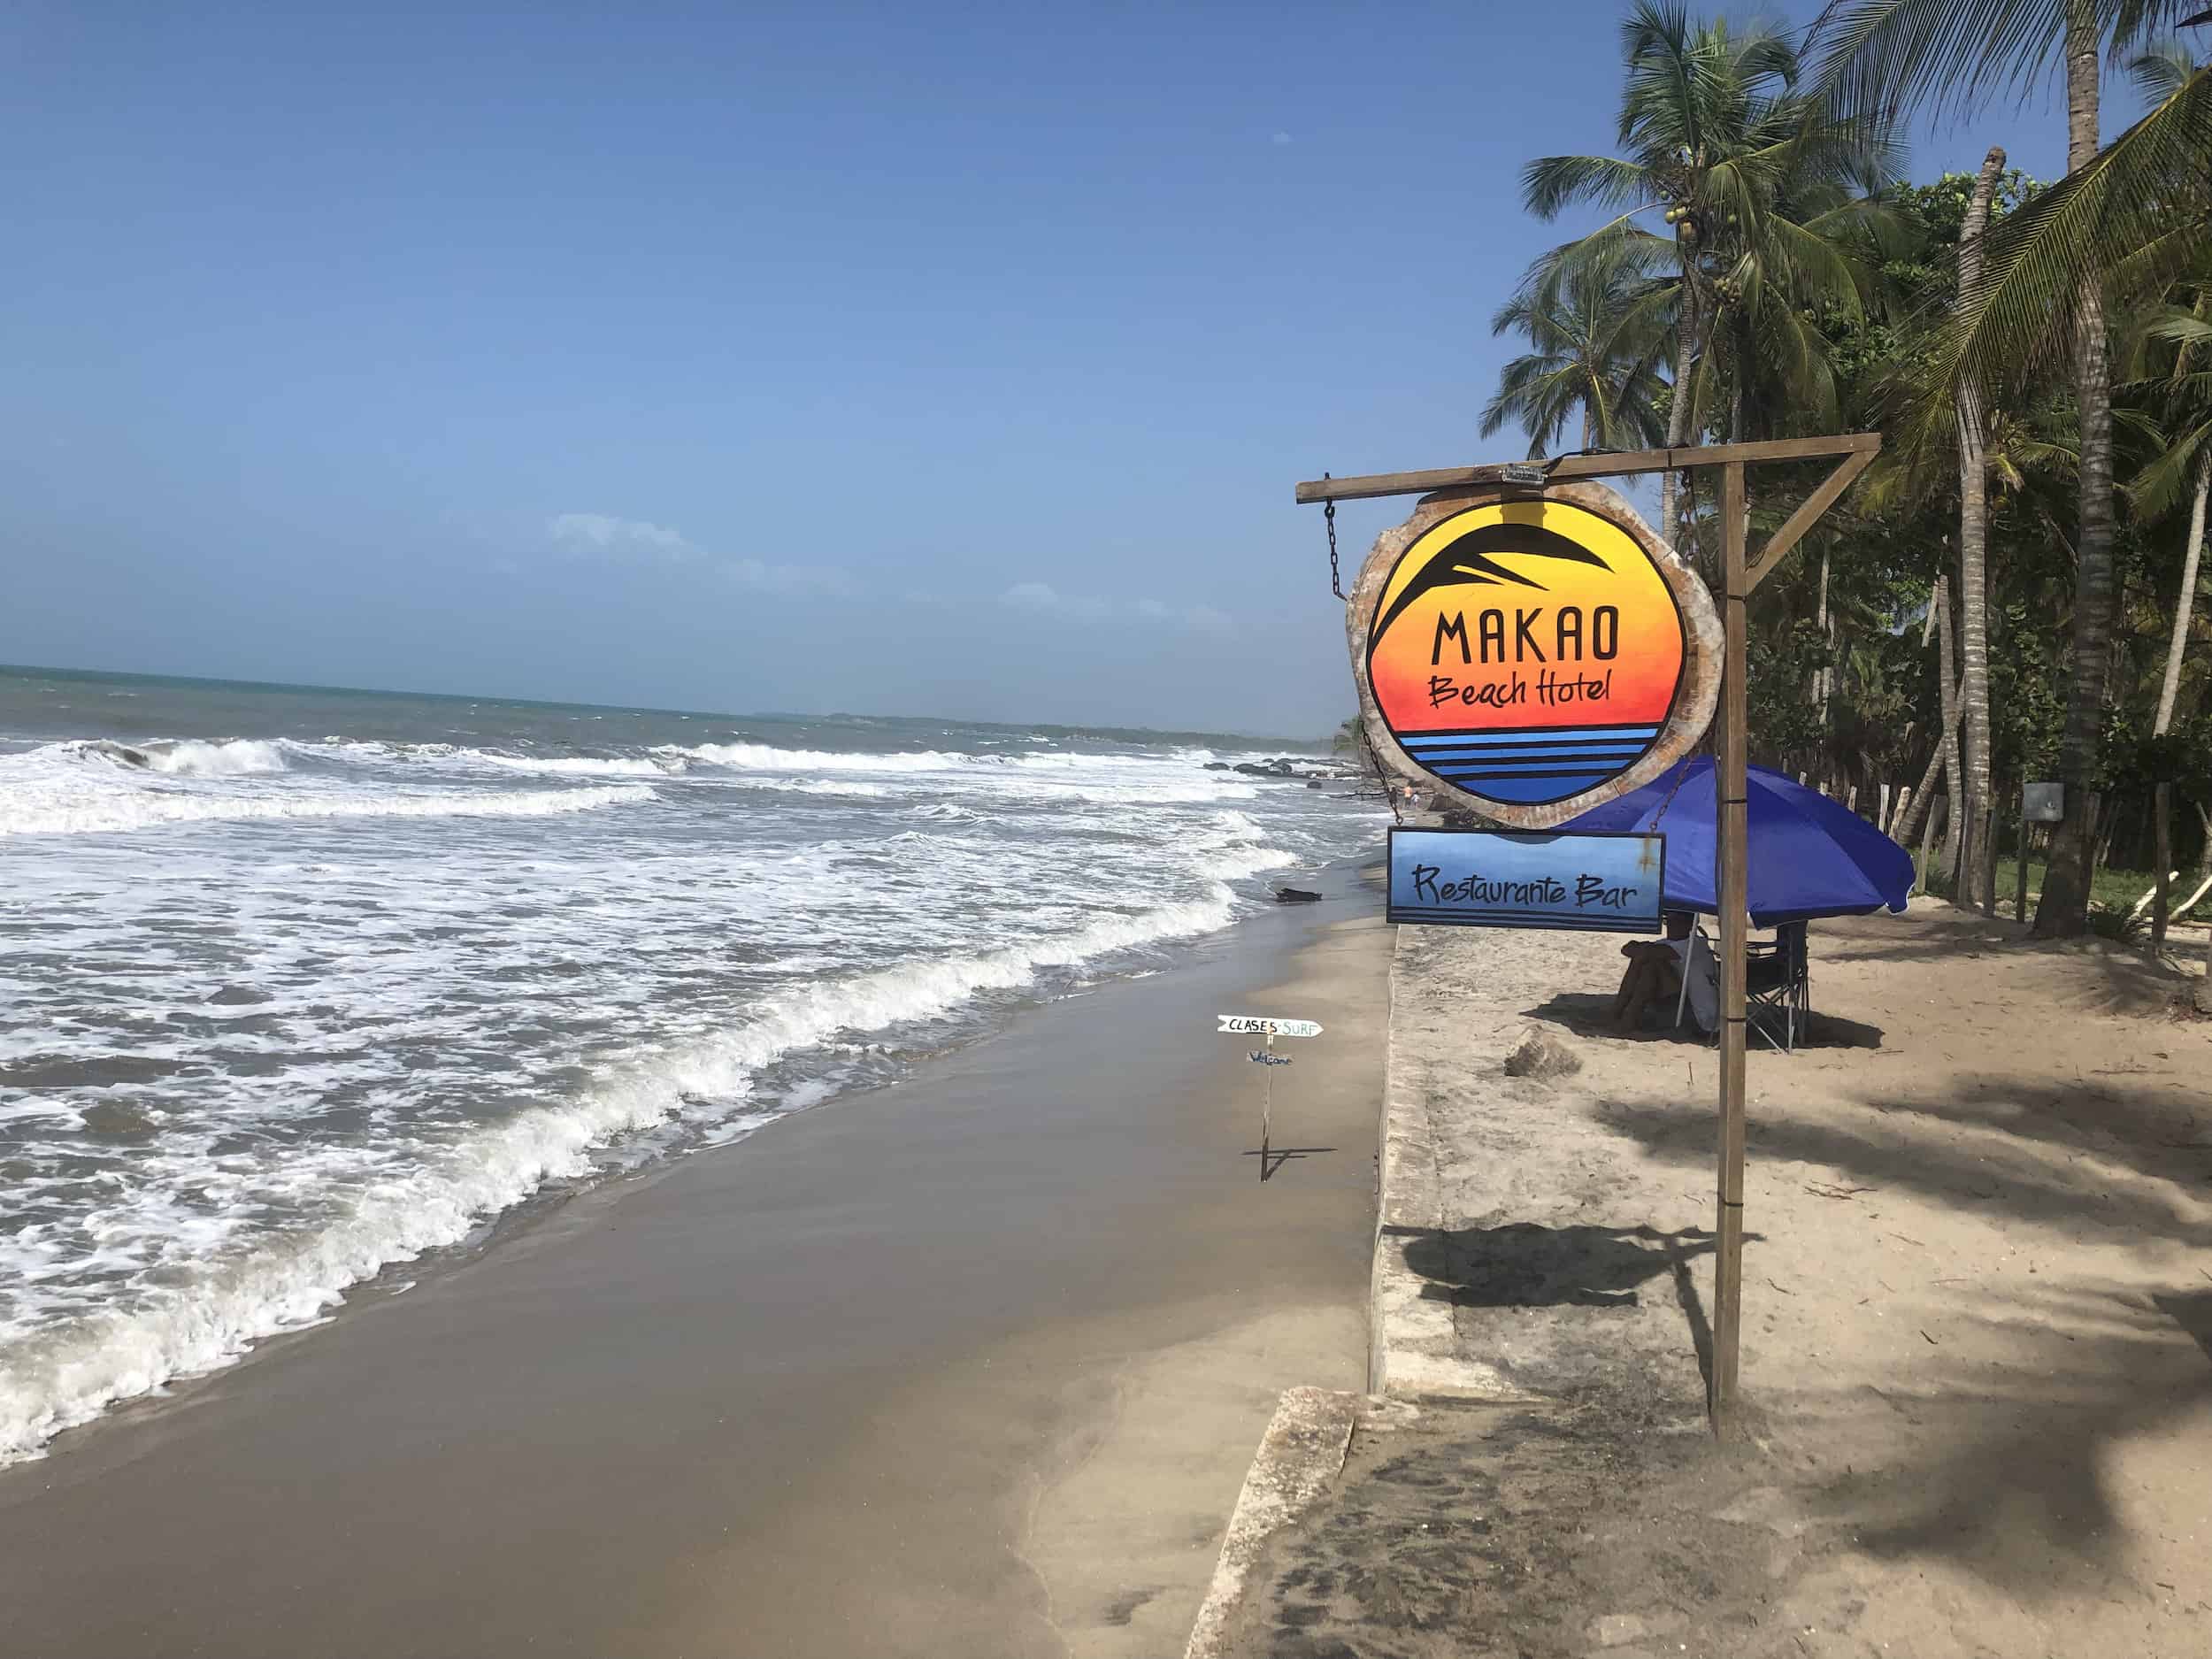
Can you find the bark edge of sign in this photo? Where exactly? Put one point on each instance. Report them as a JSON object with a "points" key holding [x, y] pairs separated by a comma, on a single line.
{"points": [[1695, 701]]}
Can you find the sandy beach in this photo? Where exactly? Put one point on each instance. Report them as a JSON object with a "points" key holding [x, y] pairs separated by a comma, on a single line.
{"points": [[971, 1364], [1977, 1320]]}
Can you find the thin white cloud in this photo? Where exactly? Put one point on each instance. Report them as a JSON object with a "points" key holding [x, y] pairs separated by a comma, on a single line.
{"points": [[785, 579], [1280, 138], [1042, 596], [604, 535]]}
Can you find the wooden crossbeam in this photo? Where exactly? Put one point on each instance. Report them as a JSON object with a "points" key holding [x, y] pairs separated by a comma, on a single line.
{"points": [[1808, 512], [1619, 463]]}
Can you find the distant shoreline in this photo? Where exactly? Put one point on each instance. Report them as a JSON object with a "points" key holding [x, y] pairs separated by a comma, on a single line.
{"points": [[1130, 733]]}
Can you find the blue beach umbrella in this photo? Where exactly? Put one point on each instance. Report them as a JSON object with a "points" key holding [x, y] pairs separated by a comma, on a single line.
{"points": [[1809, 856]]}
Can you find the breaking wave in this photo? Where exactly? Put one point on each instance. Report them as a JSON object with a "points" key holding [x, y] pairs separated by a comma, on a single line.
{"points": [[73, 1374], [237, 758], [761, 758]]}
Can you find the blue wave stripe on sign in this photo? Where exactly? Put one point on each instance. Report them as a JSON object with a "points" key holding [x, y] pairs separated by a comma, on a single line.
{"points": [[1546, 775], [1539, 733], [1587, 751]]}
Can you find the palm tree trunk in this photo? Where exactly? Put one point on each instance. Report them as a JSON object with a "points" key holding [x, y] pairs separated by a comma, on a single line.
{"points": [[2164, 798], [1678, 406], [1973, 558], [1822, 675], [1954, 782], [2189, 558], [1922, 865], [2063, 910]]}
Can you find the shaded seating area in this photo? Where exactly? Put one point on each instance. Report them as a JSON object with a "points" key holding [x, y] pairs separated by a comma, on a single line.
{"points": [[1777, 985], [1807, 858]]}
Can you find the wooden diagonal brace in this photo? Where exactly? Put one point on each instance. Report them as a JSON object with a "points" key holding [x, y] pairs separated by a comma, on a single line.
{"points": [[1807, 515]]}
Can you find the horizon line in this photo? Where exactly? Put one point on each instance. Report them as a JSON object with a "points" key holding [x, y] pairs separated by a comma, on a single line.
{"points": [[787, 715]]}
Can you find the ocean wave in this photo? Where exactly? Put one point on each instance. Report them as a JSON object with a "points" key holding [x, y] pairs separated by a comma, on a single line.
{"points": [[580, 766], [71, 1375], [64, 812], [763, 757], [850, 789], [241, 757]]}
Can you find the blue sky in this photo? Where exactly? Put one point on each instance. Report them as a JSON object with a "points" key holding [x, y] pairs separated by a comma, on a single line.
{"points": [[904, 359]]}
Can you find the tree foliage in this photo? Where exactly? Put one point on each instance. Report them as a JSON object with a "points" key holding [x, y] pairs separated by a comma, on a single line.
{"points": [[1761, 270]]}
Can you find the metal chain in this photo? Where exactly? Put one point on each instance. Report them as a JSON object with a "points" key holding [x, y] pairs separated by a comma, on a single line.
{"points": [[1389, 787], [1680, 778], [1328, 515]]}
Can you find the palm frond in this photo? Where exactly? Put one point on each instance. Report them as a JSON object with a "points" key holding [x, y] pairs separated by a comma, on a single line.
{"points": [[1875, 56], [2160, 68], [1551, 184], [2146, 189], [2170, 473]]}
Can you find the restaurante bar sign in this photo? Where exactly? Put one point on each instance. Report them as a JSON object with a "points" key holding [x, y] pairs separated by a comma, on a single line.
{"points": [[1601, 881], [1541, 651]]}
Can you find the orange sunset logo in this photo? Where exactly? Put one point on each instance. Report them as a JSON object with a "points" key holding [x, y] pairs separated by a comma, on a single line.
{"points": [[1525, 651]]}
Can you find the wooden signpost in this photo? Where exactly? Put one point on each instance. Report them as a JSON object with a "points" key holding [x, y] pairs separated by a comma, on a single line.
{"points": [[1452, 494], [1270, 1027]]}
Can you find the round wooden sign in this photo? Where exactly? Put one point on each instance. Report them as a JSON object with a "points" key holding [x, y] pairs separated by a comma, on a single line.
{"points": [[1538, 652]]}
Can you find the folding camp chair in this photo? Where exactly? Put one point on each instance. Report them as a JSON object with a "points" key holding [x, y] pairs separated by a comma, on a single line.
{"points": [[1777, 985], [1777, 982]]}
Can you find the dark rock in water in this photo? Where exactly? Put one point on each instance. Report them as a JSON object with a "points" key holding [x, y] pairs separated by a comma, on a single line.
{"points": [[1216, 765], [118, 1122], [1313, 783], [238, 995], [1541, 1054], [1296, 895]]}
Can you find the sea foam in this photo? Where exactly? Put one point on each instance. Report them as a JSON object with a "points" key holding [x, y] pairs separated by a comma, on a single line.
{"points": [[509, 1001], [70, 1376]]}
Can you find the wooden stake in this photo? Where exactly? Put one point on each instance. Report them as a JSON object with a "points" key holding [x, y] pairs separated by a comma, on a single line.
{"points": [[2163, 808], [1734, 929], [1267, 1106]]}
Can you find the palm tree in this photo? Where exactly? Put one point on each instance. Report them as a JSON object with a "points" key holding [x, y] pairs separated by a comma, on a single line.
{"points": [[2182, 325], [1974, 563], [1717, 139], [2178, 330], [1598, 336], [2188, 454], [2045, 273]]}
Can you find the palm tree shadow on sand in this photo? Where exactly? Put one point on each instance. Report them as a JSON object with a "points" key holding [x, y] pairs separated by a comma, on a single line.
{"points": [[1589, 1015]]}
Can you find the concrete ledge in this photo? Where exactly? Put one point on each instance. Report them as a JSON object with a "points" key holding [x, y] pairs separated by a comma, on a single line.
{"points": [[1413, 1351], [1300, 1455]]}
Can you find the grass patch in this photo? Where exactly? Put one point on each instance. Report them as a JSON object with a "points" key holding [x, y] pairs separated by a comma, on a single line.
{"points": [[2112, 889]]}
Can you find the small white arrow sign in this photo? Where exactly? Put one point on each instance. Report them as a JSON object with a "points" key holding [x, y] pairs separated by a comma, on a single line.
{"points": [[1256, 1025]]}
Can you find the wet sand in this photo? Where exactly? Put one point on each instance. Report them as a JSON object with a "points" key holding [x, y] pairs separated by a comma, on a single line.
{"points": [[970, 1366]]}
